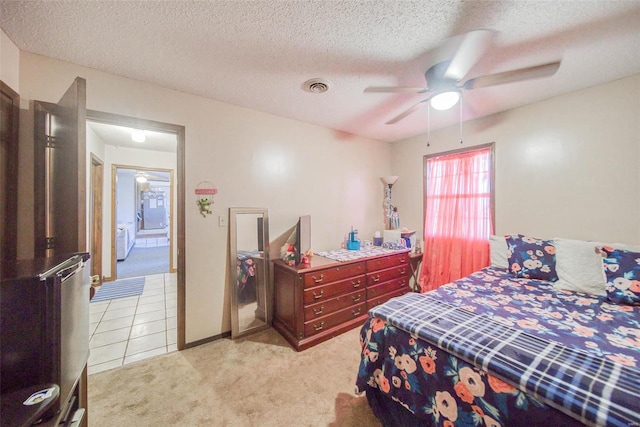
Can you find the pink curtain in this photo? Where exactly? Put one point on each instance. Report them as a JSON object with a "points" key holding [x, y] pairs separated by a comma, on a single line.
{"points": [[458, 217]]}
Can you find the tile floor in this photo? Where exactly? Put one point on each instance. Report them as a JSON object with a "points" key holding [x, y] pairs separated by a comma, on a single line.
{"points": [[126, 330]]}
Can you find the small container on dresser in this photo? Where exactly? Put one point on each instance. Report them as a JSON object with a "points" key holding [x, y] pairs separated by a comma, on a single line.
{"points": [[315, 303]]}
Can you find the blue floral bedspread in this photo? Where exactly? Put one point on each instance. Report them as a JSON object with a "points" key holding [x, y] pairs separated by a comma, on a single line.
{"points": [[246, 275], [449, 379], [575, 319]]}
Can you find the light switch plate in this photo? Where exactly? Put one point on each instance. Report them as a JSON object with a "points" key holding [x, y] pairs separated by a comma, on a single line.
{"points": [[222, 221]]}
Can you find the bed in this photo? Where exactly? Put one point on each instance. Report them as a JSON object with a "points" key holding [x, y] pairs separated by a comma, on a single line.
{"points": [[125, 239], [499, 350], [246, 275]]}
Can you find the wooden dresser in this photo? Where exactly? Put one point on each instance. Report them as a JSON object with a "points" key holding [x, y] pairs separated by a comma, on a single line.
{"points": [[315, 303]]}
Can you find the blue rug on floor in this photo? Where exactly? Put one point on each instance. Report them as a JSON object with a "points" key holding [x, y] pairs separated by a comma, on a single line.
{"points": [[119, 289]]}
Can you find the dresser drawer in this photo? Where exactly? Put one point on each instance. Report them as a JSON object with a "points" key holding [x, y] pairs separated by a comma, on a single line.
{"points": [[386, 287], [381, 276], [333, 274], [327, 307], [384, 298], [326, 292], [388, 261], [323, 323]]}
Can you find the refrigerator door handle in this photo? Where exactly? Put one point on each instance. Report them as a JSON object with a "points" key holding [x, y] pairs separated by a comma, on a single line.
{"points": [[70, 271], [64, 270]]}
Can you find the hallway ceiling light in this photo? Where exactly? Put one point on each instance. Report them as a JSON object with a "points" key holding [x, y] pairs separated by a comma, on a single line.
{"points": [[138, 135], [140, 177]]}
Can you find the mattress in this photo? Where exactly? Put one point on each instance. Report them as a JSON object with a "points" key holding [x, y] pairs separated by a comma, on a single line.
{"points": [[504, 350]]}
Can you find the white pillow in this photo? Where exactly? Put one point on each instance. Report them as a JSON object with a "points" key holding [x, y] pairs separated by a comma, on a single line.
{"points": [[579, 267], [498, 251]]}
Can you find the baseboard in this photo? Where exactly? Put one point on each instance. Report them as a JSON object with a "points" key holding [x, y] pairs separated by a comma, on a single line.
{"points": [[206, 340]]}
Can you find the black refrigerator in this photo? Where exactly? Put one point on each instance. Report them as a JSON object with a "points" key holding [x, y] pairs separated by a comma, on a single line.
{"points": [[44, 325]]}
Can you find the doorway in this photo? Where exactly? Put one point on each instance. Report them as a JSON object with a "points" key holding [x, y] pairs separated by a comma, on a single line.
{"points": [[151, 322], [143, 227]]}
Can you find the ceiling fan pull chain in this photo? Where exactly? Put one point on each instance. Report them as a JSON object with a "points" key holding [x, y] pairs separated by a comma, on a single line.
{"points": [[460, 118], [428, 123]]}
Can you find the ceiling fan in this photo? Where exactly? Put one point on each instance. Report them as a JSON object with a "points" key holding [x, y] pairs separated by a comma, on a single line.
{"points": [[445, 79]]}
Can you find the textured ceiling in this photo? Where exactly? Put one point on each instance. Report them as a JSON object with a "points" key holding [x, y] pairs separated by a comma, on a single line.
{"points": [[257, 54]]}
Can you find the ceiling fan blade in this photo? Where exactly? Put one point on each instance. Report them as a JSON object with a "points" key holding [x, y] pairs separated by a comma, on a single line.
{"points": [[396, 89], [401, 116], [536, 72], [473, 45]]}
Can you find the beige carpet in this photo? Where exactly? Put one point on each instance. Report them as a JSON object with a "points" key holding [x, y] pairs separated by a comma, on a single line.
{"points": [[257, 380]]}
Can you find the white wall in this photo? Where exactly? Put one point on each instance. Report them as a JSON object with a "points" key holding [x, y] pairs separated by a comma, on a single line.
{"points": [[565, 167], [9, 62], [253, 158]]}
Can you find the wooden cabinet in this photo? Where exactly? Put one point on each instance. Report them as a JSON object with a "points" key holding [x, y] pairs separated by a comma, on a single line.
{"points": [[313, 304]]}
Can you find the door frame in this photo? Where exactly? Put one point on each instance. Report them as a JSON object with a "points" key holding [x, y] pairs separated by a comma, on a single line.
{"points": [[96, 182], [9, 175], [179, 131]]}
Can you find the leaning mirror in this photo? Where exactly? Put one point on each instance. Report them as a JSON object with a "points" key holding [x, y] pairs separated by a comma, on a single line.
{"points": [[248, 270]]}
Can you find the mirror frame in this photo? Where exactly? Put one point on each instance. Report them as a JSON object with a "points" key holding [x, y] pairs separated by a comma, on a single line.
{"points": [[265, 282]]}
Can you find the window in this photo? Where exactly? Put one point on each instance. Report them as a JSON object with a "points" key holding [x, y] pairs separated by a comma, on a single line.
{"points": [[458, 215]]}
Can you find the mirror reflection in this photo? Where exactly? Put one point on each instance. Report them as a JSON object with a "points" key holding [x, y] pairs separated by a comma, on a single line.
{"points": [[249, 253]]}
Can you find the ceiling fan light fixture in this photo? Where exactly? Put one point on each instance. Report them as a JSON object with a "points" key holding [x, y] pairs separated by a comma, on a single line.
{"points": [[445, 100]]}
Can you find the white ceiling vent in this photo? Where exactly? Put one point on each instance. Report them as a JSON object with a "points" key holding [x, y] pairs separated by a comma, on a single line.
{"points": [[317, 85]]}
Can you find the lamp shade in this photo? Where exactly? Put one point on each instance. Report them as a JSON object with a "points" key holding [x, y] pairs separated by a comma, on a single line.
{"points": [[389, 180]]}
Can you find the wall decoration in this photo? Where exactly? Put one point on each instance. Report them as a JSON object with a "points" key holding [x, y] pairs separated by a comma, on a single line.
{"points": [[205, 191]]}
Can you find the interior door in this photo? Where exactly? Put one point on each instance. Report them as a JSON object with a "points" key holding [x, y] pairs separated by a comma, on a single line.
{"points": [[60, 173], [9, 112]]}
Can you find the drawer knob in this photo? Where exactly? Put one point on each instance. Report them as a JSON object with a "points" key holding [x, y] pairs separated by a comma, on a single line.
{"points": [[318, 327], [355, 284], [376, 278], [319, 312], [319, 279], [356, 298], [356, 312], [318, 296], [403, 271]]}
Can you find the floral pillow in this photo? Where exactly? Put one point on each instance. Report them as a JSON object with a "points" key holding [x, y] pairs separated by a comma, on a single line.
{"points": [[531, 258], [622, 272]]}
